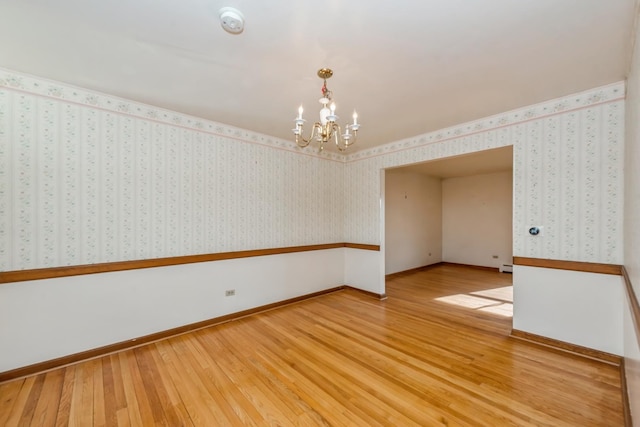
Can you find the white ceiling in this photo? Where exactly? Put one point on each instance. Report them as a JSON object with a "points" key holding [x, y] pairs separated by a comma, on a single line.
{"points": [[478, 163], [407, 66]]}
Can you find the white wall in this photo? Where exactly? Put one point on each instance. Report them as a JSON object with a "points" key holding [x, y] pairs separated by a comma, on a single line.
{"points": [[413, 221], [632, 223], [571, 306], [44, 319], [363, 270], [477, 219]]}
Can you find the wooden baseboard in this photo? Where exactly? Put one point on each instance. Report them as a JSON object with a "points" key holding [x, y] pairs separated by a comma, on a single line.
{"points": [[411, 271], [476, 267], [438, 264], [381, 297], [601, 356], [137, 342], [626, 407]]}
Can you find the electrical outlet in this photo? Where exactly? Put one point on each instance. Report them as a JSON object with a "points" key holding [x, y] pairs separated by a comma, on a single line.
{"points": [[229, 292], [495, 256]]}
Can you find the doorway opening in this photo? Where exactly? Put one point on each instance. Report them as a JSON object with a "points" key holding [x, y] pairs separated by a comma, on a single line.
{"points": [[457, 211]]}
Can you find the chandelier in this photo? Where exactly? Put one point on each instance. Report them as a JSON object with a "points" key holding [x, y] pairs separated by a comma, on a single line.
{"points": [[327, 129]]}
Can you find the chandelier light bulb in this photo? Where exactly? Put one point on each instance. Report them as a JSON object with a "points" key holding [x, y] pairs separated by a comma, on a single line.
{"points": [[300, 110], [355, 117]]}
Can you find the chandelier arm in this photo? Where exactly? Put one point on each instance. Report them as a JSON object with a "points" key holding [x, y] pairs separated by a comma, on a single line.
{"points": [[347, 142], [353, 139], [316, 127], [335, 129], [304, 142]]}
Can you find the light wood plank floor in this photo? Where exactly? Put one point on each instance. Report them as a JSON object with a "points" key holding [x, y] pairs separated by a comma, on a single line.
{"points": [[429, 355]]}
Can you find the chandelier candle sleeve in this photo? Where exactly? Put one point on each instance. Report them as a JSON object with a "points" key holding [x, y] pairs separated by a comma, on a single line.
{"points": [[326, 128], [324, 115]]}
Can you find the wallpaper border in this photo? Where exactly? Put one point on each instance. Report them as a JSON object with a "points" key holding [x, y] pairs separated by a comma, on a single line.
{"points": [[39, 86], [22, 82], [601, 95]]}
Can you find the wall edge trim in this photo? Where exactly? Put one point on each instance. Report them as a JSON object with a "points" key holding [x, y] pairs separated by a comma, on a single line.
{"points": [[77, 270], [633, 301], [587, 267], [82, 356], [363, 246], [601, 356]]}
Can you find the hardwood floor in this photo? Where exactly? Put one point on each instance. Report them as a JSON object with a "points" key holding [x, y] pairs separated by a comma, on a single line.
{"points": [[431, 354]]}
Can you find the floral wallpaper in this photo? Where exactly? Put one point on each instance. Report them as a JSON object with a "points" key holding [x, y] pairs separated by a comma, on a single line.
{"points": [[568, 174], [632, 189], [86, 178]]}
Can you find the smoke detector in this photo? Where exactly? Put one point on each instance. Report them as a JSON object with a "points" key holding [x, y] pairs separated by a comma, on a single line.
{"points": [[231, 20]]}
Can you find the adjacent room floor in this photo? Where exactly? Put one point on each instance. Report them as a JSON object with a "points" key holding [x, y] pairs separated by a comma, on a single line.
{"points": [[436, 352]]}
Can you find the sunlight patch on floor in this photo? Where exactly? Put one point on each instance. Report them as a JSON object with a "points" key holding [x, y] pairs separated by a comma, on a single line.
{"points": [[503, 294], [496, 301], [469, 301], [505, 309]]}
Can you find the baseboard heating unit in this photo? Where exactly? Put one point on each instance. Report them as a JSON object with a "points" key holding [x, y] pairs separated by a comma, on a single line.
{"points": [[506, 268]]}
